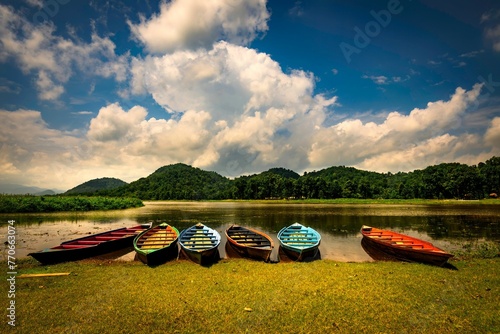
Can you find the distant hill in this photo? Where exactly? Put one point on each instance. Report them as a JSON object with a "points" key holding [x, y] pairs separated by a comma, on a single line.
{"points": [[283, 172], [17, 189], [178, 181], [96, 185], [45, 192]]}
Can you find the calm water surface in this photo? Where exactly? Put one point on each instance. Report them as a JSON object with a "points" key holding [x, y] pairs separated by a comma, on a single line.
{"points": [[339, 225]]}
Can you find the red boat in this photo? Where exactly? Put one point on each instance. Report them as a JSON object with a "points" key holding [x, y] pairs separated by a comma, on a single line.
{"points": [[391, 245], [89, 246]]}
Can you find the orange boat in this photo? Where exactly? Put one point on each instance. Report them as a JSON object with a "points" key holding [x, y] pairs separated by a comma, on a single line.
{"points": [[401, 247]]}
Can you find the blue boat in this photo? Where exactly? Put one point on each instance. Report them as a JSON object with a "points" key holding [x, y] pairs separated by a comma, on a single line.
{"points": [[200, 244], [299, 242]]}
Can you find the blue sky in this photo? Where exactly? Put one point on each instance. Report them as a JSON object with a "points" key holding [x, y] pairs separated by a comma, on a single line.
{"points": [[120, 88]]}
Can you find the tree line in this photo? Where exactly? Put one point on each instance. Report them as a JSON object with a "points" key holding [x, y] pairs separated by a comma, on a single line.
{"points": [[443, 181]]}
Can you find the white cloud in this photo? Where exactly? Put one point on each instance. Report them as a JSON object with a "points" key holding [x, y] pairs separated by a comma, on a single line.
{"points": [[383, 80], [54, 59], [493, 35], [35, 3], [31, 152], [492, 136], [258, 113], [369, 145], [471, 54], [46, 87], [191, 24], [490, 15], [227, 81], [379, 80]]}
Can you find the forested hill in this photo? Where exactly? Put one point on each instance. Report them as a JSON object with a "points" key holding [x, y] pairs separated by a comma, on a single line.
{"points": [[177, 181], [447, 180], [105, 183]]}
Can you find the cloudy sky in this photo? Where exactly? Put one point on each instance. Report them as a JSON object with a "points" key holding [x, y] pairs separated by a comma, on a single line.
{"points": [[92, 89]]}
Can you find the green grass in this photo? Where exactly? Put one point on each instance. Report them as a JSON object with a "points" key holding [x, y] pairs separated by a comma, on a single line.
{"points": [[243, 296], [30, 203]]}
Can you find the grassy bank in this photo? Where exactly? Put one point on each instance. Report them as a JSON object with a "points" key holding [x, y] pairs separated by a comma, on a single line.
{"points": [[243, 296], [30, 203]]}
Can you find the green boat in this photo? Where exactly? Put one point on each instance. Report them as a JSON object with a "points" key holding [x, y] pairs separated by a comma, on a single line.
{"points": [[157, 245]]}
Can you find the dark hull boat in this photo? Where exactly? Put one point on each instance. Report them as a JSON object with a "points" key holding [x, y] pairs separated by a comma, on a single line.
{"points": [[299, 242], [157, 245], [200, 244], [388, 245], [250, 243], [89, 246]]}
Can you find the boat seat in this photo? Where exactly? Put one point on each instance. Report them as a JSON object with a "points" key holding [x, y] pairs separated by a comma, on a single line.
{"points": [[153, 244], [73, 246], [291, 242], [106, 238], [299, 239], [88, 242]]}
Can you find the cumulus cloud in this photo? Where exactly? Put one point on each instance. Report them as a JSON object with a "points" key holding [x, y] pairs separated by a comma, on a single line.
{"points": [[118, 143], [256, 109], [53, 59], [193, 24], [227, 81], [389, 145], [492, 136], [28, 146]]}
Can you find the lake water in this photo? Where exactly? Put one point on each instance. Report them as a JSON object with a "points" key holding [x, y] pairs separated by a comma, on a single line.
{"points": [[339, 225]]}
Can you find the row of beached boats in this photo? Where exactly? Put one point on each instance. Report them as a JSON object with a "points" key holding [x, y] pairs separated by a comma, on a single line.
{"points": [[155, 245]]}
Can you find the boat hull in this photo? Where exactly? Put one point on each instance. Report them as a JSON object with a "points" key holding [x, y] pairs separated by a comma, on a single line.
{"points": [[202, 258], [299, 242], [300, 255], [388, 245], [81, 248], [250, 243], [157, 245], [200, 243], [160, 256]]}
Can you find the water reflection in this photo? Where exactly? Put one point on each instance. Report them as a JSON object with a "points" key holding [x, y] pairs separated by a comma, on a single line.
{"points": [[338, 225]]}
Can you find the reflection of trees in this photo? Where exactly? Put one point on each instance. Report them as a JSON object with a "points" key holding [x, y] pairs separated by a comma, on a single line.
{"points": [[437, 222], [463, 227]]}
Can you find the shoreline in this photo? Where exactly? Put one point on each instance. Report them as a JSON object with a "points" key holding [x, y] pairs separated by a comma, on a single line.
{"points": [[335, 202]]}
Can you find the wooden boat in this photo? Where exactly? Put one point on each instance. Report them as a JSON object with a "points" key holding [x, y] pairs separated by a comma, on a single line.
{"points": [[157, 245], [89, 246], [249, 242], [200, 244], [401, 247], [299, 242]]}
